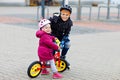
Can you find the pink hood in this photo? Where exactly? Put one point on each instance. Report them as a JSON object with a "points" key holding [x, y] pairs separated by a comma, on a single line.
{"points": [[46, 45]]}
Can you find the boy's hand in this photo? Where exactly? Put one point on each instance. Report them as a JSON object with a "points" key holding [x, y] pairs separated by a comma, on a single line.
{"points": [[62, 44]]}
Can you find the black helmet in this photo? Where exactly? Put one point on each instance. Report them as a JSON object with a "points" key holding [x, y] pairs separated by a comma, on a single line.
{"points": [[66, 7]]}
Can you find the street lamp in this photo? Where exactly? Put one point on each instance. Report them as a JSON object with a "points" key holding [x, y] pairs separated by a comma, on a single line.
{"points": [[79, 10], [65, 2], [43, 9], [108, 9]]}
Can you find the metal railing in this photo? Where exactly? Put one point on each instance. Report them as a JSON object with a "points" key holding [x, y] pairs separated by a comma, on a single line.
{"points": [[46, 11], [110, 6], [82, 6]]}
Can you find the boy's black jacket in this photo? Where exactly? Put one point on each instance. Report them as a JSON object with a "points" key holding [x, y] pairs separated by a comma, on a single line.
{"points": [[59, 27]]}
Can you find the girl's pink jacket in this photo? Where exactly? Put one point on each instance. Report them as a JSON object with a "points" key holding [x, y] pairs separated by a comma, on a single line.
{"points": [[46, 45]]}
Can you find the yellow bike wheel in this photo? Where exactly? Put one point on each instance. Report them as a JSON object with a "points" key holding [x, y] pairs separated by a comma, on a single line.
{"points": [[34, 69], [61, 65]]}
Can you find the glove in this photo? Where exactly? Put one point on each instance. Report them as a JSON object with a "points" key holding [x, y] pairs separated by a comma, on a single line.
{"points": [[62, 44], [65, 38], [57, 41]]}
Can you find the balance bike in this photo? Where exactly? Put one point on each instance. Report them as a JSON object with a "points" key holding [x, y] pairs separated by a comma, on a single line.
{"points": [[36, 67]]}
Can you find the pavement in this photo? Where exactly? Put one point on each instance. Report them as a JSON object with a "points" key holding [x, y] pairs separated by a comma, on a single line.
{"points": [[94, 54]]}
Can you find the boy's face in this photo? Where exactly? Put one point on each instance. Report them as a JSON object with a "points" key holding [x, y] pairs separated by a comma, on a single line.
{"points": [[47, 28], [65, 14]]}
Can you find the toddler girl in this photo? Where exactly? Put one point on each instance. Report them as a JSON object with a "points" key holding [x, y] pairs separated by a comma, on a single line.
{"points": [[46, 47]]}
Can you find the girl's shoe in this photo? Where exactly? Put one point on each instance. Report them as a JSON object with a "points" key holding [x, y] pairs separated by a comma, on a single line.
{"points": [[57, 75], [45, 72]]}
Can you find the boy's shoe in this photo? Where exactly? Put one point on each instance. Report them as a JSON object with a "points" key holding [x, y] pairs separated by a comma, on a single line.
{"points": [[68, 64], [57, 75], [45, 72]]}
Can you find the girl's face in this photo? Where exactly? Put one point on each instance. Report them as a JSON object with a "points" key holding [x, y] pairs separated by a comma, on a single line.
{"points": [[47, 28], [65, 14]]}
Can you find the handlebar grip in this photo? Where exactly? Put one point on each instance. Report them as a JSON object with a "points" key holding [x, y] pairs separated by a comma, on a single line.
{"points": [[57, 41]]}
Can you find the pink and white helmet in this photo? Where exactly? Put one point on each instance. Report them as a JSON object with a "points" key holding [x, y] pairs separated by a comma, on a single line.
{"points": [[43, 22]]}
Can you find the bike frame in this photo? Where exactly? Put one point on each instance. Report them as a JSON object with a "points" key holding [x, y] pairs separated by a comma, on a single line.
{"points": [[56, 58]]}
